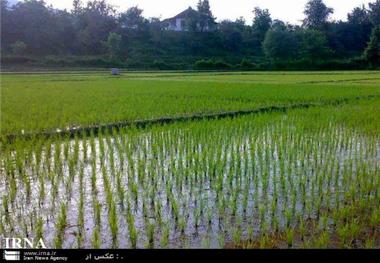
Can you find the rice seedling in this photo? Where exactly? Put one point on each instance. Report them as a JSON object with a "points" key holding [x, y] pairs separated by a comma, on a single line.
{"points": [[150, 235], [221, 240], [264, 241], [5, 207], [237, 235], [182, 225], [375, 219], [322, 241], [370, 243], [61, 226], [39, 229], [206, 242], [290, 237], [132, 232], [165, 236], [95, 241], [287, 175], [97, 212], [114, 224]]}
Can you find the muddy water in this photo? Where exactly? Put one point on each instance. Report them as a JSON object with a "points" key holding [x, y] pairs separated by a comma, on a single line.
{"points": [[248, 164]]}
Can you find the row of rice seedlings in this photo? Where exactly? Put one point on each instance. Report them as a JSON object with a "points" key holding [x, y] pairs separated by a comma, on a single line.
{"points": [[111, 206], [132, 231], [263, 198], [274, 175], [60, 227], [97, 207], [81, 210]]}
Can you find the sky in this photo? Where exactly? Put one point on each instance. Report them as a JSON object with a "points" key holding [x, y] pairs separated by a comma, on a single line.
{"points": [[286, 10]]}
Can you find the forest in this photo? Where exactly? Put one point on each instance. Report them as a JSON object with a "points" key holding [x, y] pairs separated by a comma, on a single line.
{"points": [[96, 34]]}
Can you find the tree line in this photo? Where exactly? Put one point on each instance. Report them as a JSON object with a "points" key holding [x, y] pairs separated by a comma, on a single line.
{"points": [[96, 34]]}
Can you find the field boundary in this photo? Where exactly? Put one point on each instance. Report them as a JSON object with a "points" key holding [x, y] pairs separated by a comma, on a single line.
{"points": [[337, 81], [71, 132]]}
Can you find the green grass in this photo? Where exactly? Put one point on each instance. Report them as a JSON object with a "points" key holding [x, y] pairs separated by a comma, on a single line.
{"points": [[36, 102]]}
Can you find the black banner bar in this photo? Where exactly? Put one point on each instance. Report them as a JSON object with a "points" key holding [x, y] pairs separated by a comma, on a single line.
{"points": [[92, 255]]}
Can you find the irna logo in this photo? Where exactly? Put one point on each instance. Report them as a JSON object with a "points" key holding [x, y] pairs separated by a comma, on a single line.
{"points": [[11, 255], [23, 243]]}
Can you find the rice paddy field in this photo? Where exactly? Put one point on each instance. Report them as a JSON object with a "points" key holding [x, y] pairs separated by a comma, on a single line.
{"points": [[294, 164]]}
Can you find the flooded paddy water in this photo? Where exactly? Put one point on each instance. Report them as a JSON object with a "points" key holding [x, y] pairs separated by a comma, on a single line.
{"points": [[200, 184]]}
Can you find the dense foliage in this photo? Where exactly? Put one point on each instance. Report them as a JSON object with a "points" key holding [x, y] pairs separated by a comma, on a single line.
{"points": [[95, 34]]}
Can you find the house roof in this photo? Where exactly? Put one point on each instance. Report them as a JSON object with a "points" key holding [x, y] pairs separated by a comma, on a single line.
{"points": [[184, 14]]}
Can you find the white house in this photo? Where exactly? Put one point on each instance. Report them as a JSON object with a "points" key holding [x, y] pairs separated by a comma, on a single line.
{"points": [[181, 21]]}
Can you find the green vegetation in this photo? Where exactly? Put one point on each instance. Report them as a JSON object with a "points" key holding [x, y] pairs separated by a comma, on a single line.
{"points": [[300, 178], [96, 34], [36, 102]]}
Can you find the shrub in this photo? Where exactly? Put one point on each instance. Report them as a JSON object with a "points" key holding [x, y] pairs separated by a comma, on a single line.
{"points": [[221, 65], [160, 65], [204, 64], [210, 64], [14, 60], [245, 64], [18, 48]]}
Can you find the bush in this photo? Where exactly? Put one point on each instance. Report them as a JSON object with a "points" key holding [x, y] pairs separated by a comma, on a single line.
{"points": [[211, 65], [204, 64], [82, 61], [15, 60], [114, 46], [306, 64], [161, 65], [221, 65], [372, 52], [18, 48], [245, 64], [280, 45]]}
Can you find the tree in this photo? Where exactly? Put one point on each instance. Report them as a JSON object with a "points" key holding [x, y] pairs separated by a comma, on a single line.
{"points": [[77, 7], [279, 25], [240, 23], [317, 15], [114, 46], [18, 48], [353, 35], [374, 13], [102, 7], [4, 6], [231, 33], [280, 44], [313, 45], [94, 27], [35, 24], [261, 23], [358, 16], [347, 39], [132, 19], [4, 23], [206, 20], [372, 52], [156, 31], [95, 21]]}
